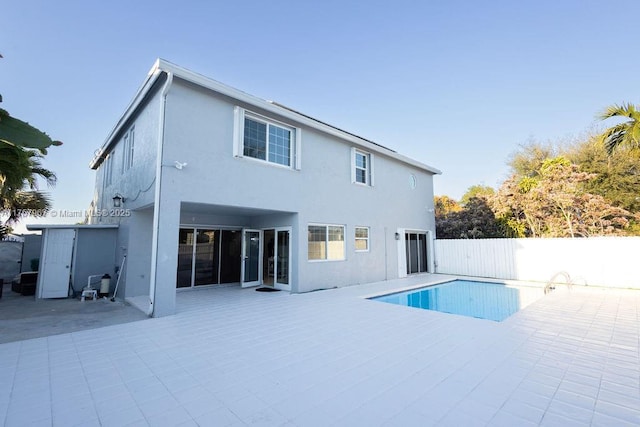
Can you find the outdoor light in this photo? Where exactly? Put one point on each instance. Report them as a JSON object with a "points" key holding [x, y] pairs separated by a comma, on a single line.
{"points": [[118, 200], [397, 236]]}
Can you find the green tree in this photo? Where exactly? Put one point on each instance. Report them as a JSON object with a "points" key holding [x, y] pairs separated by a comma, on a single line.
{"points": [[625, 134], [475, 220], [617, 176], [528, 159], [444, 205], [20, 170], [555, 203], [481, 191], [14, 132]]}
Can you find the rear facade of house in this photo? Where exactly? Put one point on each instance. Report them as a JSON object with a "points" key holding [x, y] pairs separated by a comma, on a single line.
{"points": [[217, 187]]}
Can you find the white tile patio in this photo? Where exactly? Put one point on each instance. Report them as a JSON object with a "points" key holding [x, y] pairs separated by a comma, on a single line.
{"points": [[236, 357]]}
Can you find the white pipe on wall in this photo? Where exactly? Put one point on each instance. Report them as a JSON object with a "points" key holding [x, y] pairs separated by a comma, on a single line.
{"points": [[156, 208]]}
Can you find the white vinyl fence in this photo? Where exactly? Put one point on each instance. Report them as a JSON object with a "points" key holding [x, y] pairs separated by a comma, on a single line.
{"points": [[599, 261]]}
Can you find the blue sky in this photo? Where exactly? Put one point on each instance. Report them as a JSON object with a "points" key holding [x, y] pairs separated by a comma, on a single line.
{"points": [[455, 84]]}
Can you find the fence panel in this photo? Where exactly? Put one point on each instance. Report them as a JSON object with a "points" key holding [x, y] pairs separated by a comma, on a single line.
{"points": [[600, 261]]}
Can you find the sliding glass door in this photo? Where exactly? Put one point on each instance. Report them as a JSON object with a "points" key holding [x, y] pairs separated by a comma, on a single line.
{"points": [[185, 258], [208, 257], [416, 250], [230, 256]]}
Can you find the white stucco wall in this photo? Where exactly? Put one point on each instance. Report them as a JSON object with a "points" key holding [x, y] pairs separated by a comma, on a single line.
{"points": [[199, 131], [136, 183]]}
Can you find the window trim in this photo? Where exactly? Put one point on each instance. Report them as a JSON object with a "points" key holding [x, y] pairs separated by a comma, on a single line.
{"points": [[128, 149], [369, 170], [295, 142], [366, 239], [108, 169], [326, 241]]}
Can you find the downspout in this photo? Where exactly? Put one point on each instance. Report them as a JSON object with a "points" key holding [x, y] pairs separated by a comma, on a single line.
{"points": [[386, 256], [156, 201]]}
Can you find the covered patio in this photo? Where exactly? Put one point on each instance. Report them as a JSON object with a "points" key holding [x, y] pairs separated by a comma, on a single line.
{"points": [[233, 356]]}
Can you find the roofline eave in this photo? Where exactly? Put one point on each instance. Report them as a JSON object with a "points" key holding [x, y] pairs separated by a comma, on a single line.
{"points": [[162, 65]]}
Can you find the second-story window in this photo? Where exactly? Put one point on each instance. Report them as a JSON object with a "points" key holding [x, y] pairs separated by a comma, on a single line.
{"points": [[361, 167], [108, 169], [268, 141], [127, 153]]}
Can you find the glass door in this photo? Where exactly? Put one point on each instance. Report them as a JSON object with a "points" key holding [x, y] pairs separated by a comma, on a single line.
{"points": [[185, 258], [416, 250], [206, 257], [268, 257], [283, 256], [251, 257]]}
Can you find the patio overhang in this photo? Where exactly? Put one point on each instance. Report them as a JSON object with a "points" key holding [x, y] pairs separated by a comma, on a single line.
{"points": [[245, 211]]}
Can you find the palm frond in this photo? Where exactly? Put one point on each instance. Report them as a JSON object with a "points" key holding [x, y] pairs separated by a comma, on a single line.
{"points": [[622, 110], [26, 203], [626, 133], [20, 168]]}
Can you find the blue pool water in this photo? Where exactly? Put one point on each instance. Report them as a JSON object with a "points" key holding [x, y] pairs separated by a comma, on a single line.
{"points": [[492, 301]]}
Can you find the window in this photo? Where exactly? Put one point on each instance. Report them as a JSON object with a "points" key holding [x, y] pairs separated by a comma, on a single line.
{"points": [[108, 169], [362, 167], [268, 141], [362, 239], [127, 153], [326, 242]]}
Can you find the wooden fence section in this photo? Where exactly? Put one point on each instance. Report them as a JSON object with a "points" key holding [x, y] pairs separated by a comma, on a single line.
{"points": [[601, 261]]}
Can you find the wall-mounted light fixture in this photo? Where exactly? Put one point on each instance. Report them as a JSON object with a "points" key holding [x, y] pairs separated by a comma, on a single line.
{"points": [[118, 200], [397, 236]]}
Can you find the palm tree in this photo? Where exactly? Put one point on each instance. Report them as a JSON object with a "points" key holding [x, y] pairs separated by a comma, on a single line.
{"points": [[20, 170], [16, 132], [623, 134]]}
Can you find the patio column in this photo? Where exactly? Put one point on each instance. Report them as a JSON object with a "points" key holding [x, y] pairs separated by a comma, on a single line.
{"points": [[165, 262]]}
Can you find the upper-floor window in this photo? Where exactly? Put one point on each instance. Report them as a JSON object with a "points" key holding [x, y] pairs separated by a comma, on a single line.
{"points": [[361, 167], [128, 147], [108, 169], [265, 139]]}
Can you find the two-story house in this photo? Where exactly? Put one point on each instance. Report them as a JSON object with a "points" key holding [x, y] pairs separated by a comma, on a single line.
{"points": [[213, 186]]}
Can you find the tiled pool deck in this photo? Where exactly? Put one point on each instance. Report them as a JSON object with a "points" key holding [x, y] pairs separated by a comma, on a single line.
{"points": [[238, 357]]}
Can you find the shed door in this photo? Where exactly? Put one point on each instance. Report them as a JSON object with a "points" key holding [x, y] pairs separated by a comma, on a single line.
{"points": [[55, 271]]}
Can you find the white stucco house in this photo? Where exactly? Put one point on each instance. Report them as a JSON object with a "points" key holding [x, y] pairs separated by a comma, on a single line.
{"points": [[218, 187]]}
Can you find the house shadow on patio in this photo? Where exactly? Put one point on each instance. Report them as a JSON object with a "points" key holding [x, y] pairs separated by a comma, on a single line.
{"points": [[24, 317]]}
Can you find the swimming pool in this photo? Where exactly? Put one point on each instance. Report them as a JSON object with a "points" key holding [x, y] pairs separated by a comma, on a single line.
{"points": [[484, 300]]}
